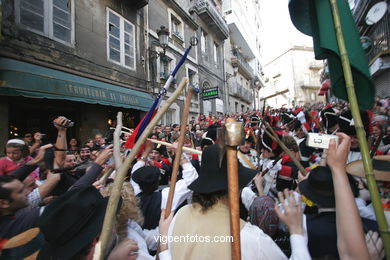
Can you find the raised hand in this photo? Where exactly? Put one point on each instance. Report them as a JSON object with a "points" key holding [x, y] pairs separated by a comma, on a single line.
{"points": [[291, 214]]}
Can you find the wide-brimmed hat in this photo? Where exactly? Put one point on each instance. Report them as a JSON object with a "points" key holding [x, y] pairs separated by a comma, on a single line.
{"points": [[318, 187], [24, 246], [380, 164], [270, 144], [347, 124], [71, 222], [329, 117], [146, 175], [213, 178]]}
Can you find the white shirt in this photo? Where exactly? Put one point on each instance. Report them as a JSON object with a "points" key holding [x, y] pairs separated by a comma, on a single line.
{"points": [[181, 194], [255, 244]]}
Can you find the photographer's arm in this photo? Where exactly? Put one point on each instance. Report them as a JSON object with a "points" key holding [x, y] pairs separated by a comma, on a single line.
{"points": [[351, 242], [36, 144], [59, 156]]}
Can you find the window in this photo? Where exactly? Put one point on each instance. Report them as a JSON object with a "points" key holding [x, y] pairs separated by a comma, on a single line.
{"points": [[165, 67], [312, 96], [120, 40], [176, 27], [203, 42], [215, 54], [51, 18]]}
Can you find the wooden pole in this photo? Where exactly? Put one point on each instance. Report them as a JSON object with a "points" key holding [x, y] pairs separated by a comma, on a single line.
{"points": [[179, 150], [187, 149], [315, 121], [109, 217], [234, 199], [361, 134], [271, 133], [117, 143]]}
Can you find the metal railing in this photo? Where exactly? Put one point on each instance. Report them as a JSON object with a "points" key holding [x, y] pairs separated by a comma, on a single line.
{"points": [[380, 35], [241, 61], [206, 5]]}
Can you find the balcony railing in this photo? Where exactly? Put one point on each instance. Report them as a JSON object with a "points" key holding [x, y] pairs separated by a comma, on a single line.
{"points": [[237, 90], [209, 13], [380, 35], [243, 65]]}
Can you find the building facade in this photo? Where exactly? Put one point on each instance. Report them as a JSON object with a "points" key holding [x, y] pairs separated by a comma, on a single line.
{"points": [[82, 59], [292, 79], [375, 28], [244, 76]]}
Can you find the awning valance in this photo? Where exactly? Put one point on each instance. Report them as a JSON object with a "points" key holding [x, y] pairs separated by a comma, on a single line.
{"points": [[24, 79]]}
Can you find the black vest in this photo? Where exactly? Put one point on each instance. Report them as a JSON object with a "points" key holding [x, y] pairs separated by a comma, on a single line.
{"points": [[151, 208]]}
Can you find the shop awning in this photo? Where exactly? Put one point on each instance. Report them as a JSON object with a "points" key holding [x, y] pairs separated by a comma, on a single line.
{"points": [[24, 79]]}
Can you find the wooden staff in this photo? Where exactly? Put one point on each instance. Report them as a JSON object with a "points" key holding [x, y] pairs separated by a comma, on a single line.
{"points": [[187, 149], [275, 137], [361, 135], [376, 145], [179, 150], [315, 121], [117, 143], [232, 142], [112, 206]]}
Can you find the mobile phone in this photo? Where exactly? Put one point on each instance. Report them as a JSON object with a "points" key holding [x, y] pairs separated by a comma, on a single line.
{"points": [[320, 140]]}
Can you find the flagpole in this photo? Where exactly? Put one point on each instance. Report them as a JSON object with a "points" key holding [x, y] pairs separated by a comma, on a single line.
{"points": [[361, 134], [112, 206]]}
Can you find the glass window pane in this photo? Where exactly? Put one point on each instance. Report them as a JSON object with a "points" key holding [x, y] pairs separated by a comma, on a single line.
{"points": [[33, 6], [127, 49], [127, 38], [62, 4], [114, 55], [114, 30], [31, 14], [31, 20], [114, 43], [128, 61], [61, 32], [61, 17], [114, 19], [128, 28]]}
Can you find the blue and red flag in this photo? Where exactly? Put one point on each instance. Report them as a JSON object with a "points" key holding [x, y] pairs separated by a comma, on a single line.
{"points": [[156, 104]]}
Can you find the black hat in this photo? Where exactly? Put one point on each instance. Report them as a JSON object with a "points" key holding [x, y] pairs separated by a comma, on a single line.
{"points": [[71, 222], [287, 117], [250, 139], [347, 124], [329, 117], [212, 178], [271, 145], [162, 149], [318, 187], [146, 175], [254, 120]]}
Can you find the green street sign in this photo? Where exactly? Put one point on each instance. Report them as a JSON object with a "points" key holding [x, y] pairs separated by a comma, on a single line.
{"points": [[210, 93]]}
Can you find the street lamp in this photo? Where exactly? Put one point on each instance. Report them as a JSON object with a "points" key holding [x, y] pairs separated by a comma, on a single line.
{"points": [[163, 38]]}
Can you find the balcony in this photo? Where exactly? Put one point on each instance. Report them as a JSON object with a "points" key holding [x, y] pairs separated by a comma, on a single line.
{"points": [[209, 13], [309, 84], [240, 92], [380, 35], [243, 66]]}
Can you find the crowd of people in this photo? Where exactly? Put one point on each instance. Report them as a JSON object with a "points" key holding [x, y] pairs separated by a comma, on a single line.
{"points": [[301, 203]]}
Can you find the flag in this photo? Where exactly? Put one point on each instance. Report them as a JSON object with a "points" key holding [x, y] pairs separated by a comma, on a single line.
{"points": [[314, 18], [156, 104]]}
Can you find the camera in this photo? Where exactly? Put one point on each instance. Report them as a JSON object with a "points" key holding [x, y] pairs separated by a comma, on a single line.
{"points": [[320, 140]]}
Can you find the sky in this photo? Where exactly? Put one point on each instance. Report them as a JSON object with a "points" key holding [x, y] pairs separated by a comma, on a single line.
{"points": [[279, 32]]}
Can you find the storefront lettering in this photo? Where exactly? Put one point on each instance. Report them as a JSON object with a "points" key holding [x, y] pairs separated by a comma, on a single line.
{"points": [[102, 94]]}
